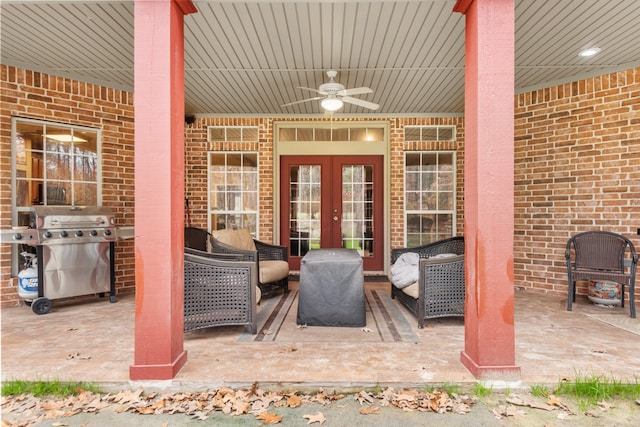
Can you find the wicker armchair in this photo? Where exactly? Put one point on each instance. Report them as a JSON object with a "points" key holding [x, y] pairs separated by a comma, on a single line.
{"points": [[600, 255], [271, 260], [441, 284], [219, 290], [196, 238]]}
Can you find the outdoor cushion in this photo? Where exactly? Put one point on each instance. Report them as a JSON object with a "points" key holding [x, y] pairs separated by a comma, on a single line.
{"points": [[272, 270], [413, 290], [405, 270], [240, 239]]}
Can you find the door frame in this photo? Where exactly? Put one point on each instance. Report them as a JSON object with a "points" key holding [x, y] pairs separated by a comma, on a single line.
{"points": [[380, 148], [331, 198]]}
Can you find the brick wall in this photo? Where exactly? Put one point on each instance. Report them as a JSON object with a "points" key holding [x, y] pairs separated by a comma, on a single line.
{"points": [[577, 164], [42, 96], [577, 168]]}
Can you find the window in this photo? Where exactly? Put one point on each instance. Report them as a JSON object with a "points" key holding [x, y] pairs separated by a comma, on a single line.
{"points": [[429, 133], [329, 133], [233, 133], [53, 164], [233, 191], [429, 196]]}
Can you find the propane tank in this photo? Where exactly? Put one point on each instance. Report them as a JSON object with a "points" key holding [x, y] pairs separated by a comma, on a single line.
{"points": [[28, 278]]}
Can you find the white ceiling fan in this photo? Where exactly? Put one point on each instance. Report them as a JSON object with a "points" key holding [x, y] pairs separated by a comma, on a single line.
{"points": [[334, 94]]}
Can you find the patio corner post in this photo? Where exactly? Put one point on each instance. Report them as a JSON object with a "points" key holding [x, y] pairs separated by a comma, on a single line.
{"points": [[159, 187], [489, 352]]}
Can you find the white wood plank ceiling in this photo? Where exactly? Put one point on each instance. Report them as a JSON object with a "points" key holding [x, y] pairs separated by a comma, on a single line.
{"points": [[250, 57]]}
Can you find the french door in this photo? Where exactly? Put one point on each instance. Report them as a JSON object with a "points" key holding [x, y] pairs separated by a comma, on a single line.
{"points": [[332, 202]]}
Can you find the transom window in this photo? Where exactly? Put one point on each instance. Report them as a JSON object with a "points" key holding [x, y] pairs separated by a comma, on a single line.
{"points": [[232, 133], [429, 196], [429, 133], [330, 134], [233, 191]]}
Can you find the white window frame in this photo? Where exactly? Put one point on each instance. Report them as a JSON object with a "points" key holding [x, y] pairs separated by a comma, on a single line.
{"points": [[434, 212], [212, 204]]}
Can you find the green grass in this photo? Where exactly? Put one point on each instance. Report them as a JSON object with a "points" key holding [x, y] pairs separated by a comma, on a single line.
{"points": [[482, 390], [450, 388], [589, 390], [539, 390], [46, 388]]}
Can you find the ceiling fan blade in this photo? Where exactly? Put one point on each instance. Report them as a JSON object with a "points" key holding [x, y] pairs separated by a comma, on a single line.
{"points": [[311, 89], [360, 102], [355, 91], [300, 102]]}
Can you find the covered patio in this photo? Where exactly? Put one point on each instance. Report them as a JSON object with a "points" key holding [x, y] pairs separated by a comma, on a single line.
{"points": [[94, 341], [97, 341]]}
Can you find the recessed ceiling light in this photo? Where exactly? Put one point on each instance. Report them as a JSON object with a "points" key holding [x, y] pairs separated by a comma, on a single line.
{"points": [[589, 52]]}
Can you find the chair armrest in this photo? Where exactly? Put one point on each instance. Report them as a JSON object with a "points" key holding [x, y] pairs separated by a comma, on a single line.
{"points": [[218, 255], [454, 245], [267, 251]]}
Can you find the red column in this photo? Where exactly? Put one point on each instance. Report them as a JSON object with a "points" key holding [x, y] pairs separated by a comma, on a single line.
{"points": [[159, 193], [488, 189]]}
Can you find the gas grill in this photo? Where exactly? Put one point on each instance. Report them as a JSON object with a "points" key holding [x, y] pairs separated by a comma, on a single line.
{"points": [[75, 251]]}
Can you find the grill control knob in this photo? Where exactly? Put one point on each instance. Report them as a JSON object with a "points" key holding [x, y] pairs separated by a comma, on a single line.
{"points": [[63, 233], [79, 233], [107, 232], [94, 233], [47, 234]]}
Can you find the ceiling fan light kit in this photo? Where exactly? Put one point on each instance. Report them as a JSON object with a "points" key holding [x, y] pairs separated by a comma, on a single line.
{"points": [[333, 95], [331, 103]]}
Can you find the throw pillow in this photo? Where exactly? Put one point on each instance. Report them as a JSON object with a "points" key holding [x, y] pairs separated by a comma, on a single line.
{"points": [[240, 239]]}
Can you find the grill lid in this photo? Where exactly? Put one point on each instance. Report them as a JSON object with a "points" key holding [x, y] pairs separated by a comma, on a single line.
{"points": [[60, 217], [55, 225]]}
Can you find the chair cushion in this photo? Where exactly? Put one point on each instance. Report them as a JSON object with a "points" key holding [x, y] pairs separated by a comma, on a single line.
{"points": [[273, 270], [413, 290], [240, 239], [405, 270]]}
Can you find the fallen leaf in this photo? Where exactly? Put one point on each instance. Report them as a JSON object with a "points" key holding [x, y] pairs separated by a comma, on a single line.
{"points": [[532, 403], [293, 401], [599, 351], [318, 418], [365, 329], [363, 396], [266, 332], [604, 406], [302, 326], [370, 410], [553, 400], [508, 411], [269, 418]]}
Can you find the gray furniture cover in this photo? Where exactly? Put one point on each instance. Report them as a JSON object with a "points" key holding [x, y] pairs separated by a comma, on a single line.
{"points": [[331, 289]]}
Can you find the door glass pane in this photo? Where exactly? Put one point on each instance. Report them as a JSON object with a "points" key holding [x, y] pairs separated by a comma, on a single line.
{"points": [[357, 208], [304, 208]]}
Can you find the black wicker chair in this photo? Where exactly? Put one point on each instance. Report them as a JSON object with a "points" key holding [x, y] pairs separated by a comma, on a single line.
{"points": [[219, 290], [600, 255], [441, 284], [262, 256], [196, 238]]}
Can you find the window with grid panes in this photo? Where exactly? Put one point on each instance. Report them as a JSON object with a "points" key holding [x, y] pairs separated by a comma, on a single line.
{"points": [[429, 196], [233, 191]]}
